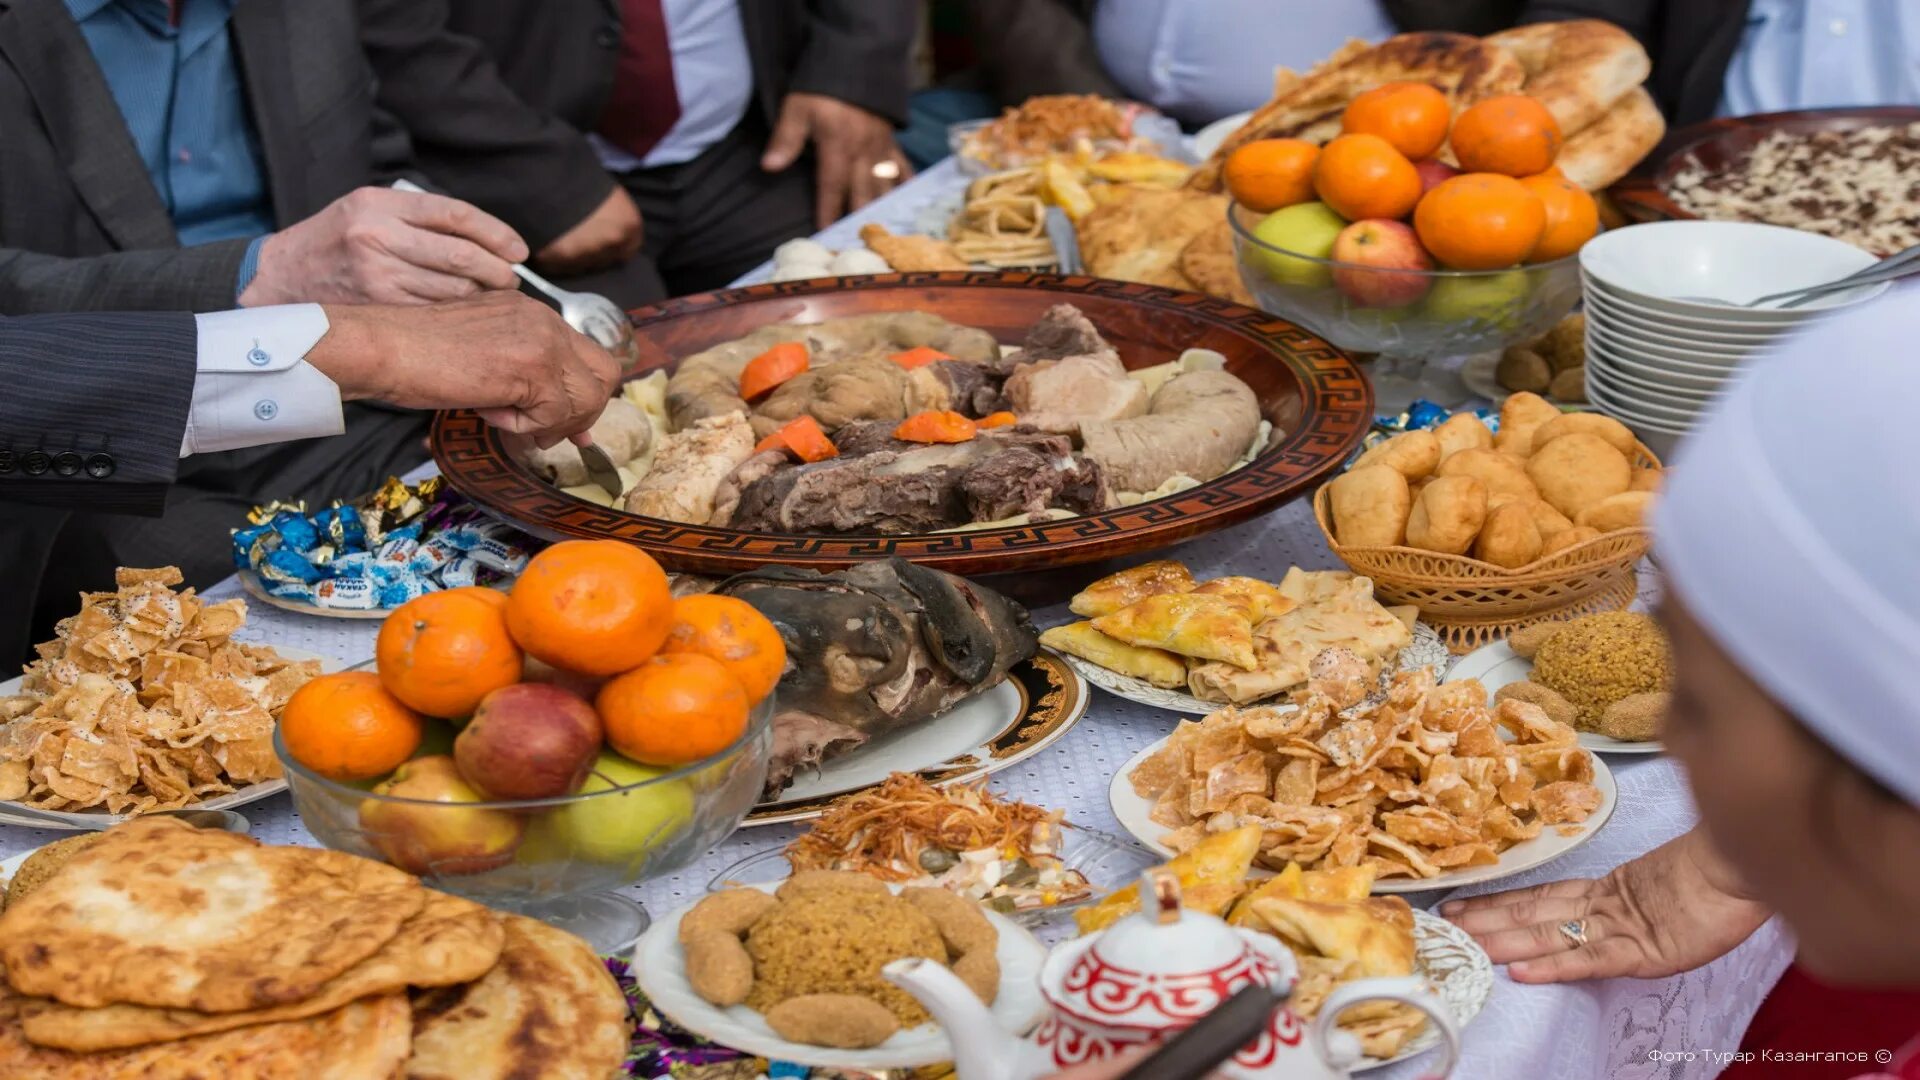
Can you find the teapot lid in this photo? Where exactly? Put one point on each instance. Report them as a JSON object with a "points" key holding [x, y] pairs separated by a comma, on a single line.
{"points": [[1164, 966]]}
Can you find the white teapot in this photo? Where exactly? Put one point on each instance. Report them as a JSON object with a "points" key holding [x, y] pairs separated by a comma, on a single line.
{"points": [[1147, 977]]}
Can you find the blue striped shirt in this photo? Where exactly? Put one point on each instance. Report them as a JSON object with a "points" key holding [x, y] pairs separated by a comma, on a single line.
{"points": [[179, 90]]}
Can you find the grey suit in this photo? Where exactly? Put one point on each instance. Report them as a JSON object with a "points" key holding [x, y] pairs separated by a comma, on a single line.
{"points": [[82, 228]]}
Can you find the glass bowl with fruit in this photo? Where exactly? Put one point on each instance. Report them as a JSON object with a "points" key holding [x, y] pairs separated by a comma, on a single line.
{"points": [[539, 755], [1378, 246]]}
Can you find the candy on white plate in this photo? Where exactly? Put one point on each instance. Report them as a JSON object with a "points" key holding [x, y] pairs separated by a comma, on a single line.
{"points": [[859, 261], [802, 252]]}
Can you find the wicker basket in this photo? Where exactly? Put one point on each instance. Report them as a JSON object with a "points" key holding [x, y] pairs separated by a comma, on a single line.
{"points": [[1472, 603]]}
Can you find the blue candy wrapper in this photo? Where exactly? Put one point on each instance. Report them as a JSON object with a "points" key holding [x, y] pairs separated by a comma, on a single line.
{"points": [[433, 555], [290, 590], [295, 530], [395, 593], [397, 551], [286, 565], [346, 594], [459, 573], [246, 540], [499, 555]]}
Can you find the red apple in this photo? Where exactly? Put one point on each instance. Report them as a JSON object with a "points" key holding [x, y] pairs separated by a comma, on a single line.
{"points": [[535, 670], [1432, 171], [528, 741], [1380, 253], [443, 837]]}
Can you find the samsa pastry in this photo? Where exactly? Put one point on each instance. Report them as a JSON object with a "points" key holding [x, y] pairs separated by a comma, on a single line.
{"points": [[1156, 666], [1130, 586], [1263, 601], [1203, 627], [1285, 646], [1376, 934]]}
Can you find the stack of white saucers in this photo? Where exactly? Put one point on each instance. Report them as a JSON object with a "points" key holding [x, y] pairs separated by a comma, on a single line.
{"points": [[1659, 349]]}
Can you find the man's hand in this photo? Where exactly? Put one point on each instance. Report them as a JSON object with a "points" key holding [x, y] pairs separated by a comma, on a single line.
{"points": [[380, 246], [1673, 909], [502, 353], [848, 142], [610, 235]]}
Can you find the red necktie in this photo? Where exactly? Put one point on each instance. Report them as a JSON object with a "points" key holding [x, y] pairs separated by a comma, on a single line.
{"points": [[644, 104]]}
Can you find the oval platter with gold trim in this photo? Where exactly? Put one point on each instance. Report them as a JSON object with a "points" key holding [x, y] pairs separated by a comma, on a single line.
{"points": [[1039, 700]]}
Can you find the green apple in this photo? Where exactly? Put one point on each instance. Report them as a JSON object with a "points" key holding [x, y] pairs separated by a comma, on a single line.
{"points": [[1307, 228], [614, 828], [1498, 299]]}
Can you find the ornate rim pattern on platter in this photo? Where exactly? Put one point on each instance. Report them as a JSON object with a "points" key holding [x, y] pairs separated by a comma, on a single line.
{"points": [[1052, 699], [1336, 402], [1426, 650], [1457, 970]]}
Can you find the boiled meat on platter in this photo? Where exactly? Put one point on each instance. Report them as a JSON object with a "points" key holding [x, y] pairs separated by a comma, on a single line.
{"points": [[904, 423], [876, 648]]}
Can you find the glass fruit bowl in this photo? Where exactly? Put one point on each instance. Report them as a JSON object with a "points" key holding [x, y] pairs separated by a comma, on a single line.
{"points": [[1407, 317], [559, 859]]}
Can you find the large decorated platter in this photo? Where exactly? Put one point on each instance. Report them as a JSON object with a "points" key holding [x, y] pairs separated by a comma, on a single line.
{"points": [[1312, 406]]}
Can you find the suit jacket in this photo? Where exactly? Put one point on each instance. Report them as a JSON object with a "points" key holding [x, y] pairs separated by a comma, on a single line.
{"points": [[95, 408], [495, 93], [81, 226]]}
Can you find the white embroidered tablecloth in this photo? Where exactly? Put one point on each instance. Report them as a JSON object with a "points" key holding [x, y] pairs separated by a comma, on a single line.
{"points": [[1630, 1029]]}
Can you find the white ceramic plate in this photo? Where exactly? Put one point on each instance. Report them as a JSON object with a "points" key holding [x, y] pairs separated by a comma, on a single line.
{"points": [[1610, 395], [1647, 389], [1724, 359], [1659, 263], [1426, 650], [660, 967], [1008, 724], [1659, 373], [1459, 972], [1208, 139], [250, 793], [1596, 294], [1497, 664], [1690, 331], [1134, 814]]}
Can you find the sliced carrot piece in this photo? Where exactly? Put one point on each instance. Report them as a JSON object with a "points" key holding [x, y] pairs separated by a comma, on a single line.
{"points": [[999, 419], [802, 438], [918, 356], [936, 426], [771, 368]]}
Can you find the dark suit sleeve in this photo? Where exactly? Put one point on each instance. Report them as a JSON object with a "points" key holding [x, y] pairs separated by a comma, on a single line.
{"points": [[199, 278], [1478, 17], [473, 135], [114, 384], [1032, 47], [859, 51], [1636, 17]]}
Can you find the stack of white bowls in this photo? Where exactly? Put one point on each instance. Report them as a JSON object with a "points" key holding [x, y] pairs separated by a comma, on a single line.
{"points": [[1659, 349]]}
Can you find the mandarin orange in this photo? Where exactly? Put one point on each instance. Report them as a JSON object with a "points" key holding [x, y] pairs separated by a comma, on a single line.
{"points": [[442, 652], [1268, 174], [1411, 116], [1363, 176], [1480, 221], [1572, 216], [598, 607], [347, 726], [674, 709], [1512, 134], [732, 631]]}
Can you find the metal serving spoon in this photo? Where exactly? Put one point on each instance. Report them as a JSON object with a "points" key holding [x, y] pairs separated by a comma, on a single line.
{"points": [[1891, 268], [229, 820], [599, 319]]}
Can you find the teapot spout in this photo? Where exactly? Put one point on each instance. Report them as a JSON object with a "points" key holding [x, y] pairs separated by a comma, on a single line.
{"points": [[981, 1050]]}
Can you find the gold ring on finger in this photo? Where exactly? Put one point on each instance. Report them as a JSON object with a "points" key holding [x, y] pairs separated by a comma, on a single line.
{"points": [[1575, 931], [888, 171]]}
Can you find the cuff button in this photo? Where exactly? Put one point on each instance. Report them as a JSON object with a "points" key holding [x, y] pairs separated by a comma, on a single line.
{"points": [[265, 409], [67, 463], [259, 357], [100, 466], [6, 461], [35, 462]]}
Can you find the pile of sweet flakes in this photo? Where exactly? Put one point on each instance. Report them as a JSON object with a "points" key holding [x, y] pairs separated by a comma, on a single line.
{"points": [[1416, 786], [144, 702]]}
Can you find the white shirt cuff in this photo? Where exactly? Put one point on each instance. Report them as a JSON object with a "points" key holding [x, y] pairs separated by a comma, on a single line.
{"points": [[254, 384]]}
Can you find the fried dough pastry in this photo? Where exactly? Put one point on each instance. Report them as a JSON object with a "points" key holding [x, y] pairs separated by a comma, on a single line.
{"points": [[908, 253], [1130, 586], [1376, 933], [1208, 261], [1263, 601], [1139, 234], [450, 941], [1464, 68], [547, 1011], [186, 918], [1577, 68], [1157, 666], [1204, 627], [363, 1040]]}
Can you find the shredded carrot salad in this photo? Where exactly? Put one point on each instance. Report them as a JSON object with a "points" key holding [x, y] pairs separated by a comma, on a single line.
{"points": [[883, 830]]}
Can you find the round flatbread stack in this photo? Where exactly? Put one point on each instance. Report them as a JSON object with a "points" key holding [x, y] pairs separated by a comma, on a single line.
{"points": [[165, 951]]}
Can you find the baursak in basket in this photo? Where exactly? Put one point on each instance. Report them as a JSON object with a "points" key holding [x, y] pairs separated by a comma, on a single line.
{"points": [[1471, 603]]}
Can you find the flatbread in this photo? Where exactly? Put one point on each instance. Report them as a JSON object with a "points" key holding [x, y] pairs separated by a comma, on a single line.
{"points": [[161, 913], [364, 1040], [1577, 68], [1464, 68], [1157, 666], [547, 1011], [1140, 232], [1203, 627], [450, 941], [1603, 153], [1209, 262], [1130, 586]]}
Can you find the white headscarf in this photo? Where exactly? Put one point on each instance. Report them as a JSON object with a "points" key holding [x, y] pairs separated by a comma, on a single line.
{"points": [[1791, 529]]}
